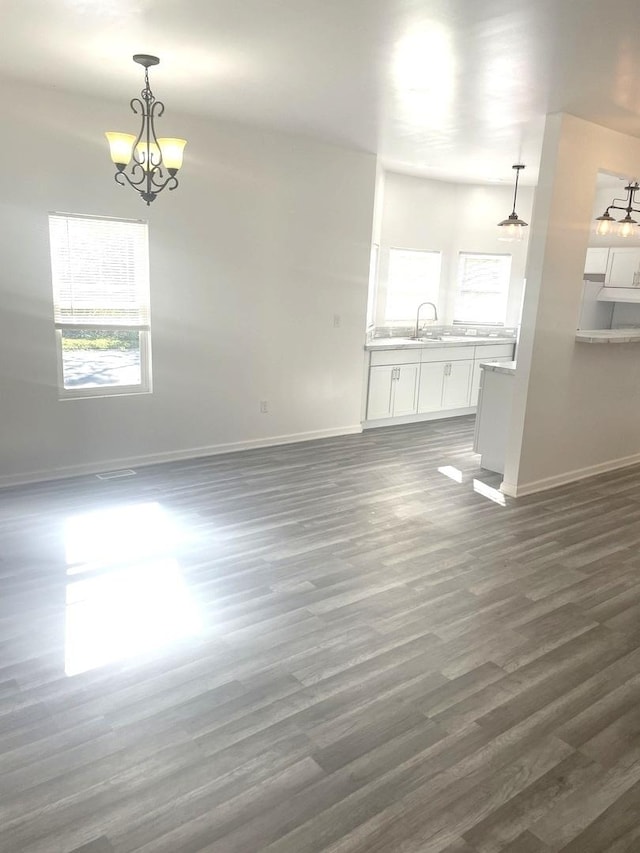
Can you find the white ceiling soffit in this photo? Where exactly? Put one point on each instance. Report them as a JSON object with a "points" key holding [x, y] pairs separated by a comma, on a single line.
{"points": [[452, 89]]}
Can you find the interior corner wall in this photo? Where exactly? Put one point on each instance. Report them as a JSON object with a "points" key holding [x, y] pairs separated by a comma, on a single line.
{"points": [[576, 406], [445, 217], [259, 272]]}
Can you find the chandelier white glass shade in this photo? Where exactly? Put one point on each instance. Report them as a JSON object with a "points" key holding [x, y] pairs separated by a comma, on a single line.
{"points": [[512, 228], [608, 226], [146, 162]]}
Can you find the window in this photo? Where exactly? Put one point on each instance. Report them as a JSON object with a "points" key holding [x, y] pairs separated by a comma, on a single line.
{"points": [[483, 288], [100, 274], [414, 277]]}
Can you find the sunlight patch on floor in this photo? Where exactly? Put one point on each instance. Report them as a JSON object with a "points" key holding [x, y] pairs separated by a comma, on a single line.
{"points": [[132, 597]]}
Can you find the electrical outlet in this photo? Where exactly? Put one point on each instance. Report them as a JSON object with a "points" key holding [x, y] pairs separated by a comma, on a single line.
{"points": [[337, 321], [264, 407]]}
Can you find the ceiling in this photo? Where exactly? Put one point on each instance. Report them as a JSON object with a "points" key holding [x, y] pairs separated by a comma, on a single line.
{"points": [[452, 89]]}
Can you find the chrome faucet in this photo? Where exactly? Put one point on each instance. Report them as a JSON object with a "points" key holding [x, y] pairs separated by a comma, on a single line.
{"points": [[435, 317]]}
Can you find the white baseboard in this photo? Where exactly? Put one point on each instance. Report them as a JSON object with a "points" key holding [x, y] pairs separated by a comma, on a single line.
{"points": [[517, 490], [440, 415], [171, 456]]}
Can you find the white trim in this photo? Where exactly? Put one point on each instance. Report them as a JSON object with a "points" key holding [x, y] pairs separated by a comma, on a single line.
{"points": [[516, 490], [172, 456], [440, 415], [95, 216], [145, 385]]}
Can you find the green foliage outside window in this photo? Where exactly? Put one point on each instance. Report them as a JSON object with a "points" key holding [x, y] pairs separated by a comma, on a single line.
{"points": [[100, 339]]}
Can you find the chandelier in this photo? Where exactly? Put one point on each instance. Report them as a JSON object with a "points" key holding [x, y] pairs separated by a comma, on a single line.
{"points": [[153, 161], [512, 228], [624, 227]]}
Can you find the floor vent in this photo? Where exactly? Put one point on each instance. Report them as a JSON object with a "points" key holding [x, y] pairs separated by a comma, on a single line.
{"points": [[113, 475]]}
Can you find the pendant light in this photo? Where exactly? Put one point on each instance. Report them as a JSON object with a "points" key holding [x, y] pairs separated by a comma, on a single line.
{"points": [[625, 227], [512, 228], [154, 162]]}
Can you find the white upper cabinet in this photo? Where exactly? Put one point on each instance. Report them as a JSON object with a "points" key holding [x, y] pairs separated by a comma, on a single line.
{"points": [[623, 268], [595, 262]]}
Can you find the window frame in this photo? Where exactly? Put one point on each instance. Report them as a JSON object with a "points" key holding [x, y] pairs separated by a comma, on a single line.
{"points": [[372, 293], [145, 386], [507, 256], [436, 299]]}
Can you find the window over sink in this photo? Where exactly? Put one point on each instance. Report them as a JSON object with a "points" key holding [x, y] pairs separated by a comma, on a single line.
{"points": [[414, 277], [483, 288]]}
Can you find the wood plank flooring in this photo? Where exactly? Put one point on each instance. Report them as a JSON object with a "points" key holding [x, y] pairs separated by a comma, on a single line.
{"points": [[354, 645]]}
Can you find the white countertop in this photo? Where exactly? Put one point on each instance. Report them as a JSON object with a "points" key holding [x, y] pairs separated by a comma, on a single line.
{"points": [[608, 336], [446, 341], [499, 366]]}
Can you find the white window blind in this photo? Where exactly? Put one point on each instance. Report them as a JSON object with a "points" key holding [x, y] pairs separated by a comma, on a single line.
{"points": [[483, 288], [100, 272], [414, 277]]}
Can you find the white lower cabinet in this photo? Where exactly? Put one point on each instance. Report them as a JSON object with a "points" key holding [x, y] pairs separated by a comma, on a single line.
{"points": [[424, 381], [404, 390], [444, 385], [392, 390], [457, 384], [430, 388]]}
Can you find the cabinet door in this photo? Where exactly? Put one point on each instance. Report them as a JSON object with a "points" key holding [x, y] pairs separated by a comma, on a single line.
{"points": [[457, 385], [596, 261], [404, 391], [380, 388], [623, 265], [430, 387]]}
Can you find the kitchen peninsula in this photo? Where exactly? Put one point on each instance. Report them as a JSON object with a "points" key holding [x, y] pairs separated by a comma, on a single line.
{"points": [[494, 413]]}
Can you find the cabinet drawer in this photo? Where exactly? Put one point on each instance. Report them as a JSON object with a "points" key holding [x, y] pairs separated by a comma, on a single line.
{"points": [[446, 353], [491, 351], [395, 356]]}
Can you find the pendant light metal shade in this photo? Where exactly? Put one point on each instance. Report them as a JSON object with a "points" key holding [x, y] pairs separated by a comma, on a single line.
{"points": [[512, 228], [625, 227]]}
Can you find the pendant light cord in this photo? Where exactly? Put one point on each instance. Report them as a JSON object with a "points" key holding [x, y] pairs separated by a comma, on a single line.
{"points": [[515, 192]]}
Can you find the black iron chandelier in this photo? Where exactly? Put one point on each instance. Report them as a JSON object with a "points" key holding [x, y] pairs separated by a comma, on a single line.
{"points": [[154, 161], [512, 228], [625, 227]]}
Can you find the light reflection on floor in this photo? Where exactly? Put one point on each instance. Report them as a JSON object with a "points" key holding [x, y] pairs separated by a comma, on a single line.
{"points": [[451, 472], [486, 491], [479, 487], [132, 597], [117, 534]]}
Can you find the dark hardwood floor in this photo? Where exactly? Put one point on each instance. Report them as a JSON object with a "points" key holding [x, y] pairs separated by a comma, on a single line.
{"points": [[354, 645]]}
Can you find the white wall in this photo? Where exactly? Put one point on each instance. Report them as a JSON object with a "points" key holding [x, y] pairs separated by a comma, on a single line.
{"points": [[452, 218], [266, 239], [576, 406]]}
